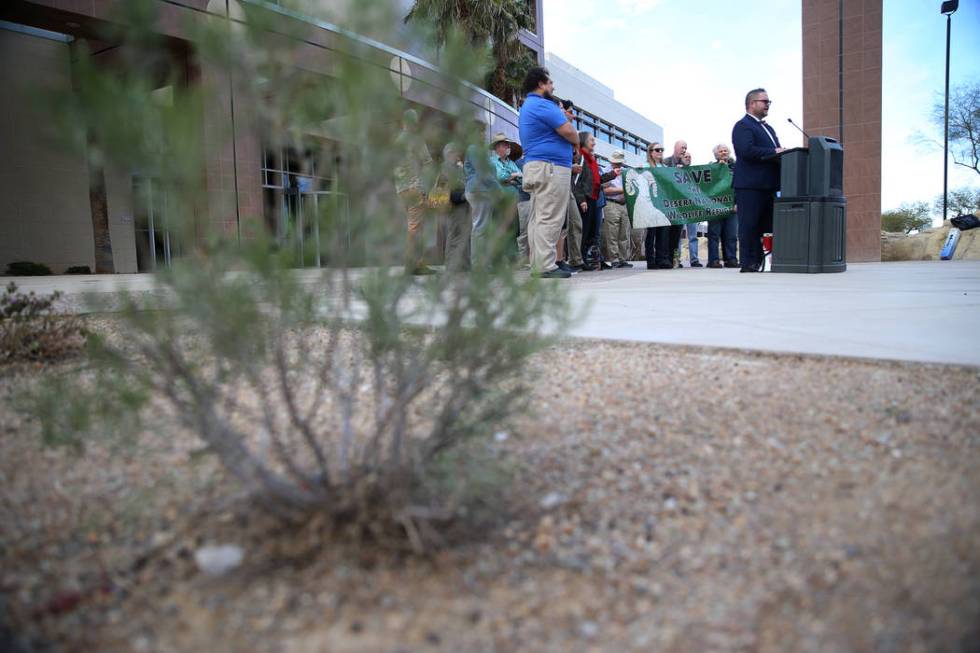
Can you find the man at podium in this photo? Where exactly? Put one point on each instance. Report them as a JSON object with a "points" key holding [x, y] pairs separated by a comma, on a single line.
{"points": [[756, 177]]}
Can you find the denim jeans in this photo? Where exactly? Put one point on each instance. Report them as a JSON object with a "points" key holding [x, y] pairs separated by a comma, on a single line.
{"points": [[692, 241], [724, 233]]}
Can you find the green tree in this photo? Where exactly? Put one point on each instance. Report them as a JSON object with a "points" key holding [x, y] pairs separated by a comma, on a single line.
{"points": [[492, 24], [961, 200], [964, 124], [906, 218]]}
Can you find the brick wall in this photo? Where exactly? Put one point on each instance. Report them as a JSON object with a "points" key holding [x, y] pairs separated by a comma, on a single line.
{"points": [[862, 21]]}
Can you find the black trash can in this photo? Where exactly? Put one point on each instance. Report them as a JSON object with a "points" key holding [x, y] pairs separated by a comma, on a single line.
{"points": [[809, 235], [810, 215]]}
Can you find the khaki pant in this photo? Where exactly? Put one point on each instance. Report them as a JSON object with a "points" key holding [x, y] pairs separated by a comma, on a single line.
{"points": [[626, 237], [414, 204], [548, 185], [615, 232], [637, 241], [573, 245]]}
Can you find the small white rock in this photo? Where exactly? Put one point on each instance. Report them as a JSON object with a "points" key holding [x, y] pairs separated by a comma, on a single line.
{"points": [[588, 629], [501, 436], [218, 560], [552, 500]]}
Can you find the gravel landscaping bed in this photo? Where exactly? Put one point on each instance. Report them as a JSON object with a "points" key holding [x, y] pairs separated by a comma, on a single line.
{"points": [[661, 499]]}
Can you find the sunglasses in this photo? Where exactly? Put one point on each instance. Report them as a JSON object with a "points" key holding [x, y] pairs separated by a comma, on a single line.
{"points": [[656, 149]]}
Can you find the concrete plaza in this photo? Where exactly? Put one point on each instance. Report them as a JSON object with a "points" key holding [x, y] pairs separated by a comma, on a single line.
{"points": [[925, 311]]}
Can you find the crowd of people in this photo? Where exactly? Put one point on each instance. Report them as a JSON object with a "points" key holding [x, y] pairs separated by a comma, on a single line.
{"points": [[561, 210]]}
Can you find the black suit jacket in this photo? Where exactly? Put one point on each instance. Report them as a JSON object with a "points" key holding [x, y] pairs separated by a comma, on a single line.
{"points": [[752, 144]]}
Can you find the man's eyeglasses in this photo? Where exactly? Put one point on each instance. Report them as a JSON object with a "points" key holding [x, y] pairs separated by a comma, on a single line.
{"points": [[765, 102], [656, 149]]}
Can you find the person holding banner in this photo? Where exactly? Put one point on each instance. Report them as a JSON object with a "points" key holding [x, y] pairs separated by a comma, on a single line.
{"points": [[691, 229], [660, 243], [756, 177], [676, 160], [724, 232], [665, 199]]}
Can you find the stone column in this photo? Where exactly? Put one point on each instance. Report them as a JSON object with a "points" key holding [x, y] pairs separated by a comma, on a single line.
{"points": [[858, 71]]}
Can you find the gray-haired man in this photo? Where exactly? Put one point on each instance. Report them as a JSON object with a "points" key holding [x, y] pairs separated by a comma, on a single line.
{"points": [[724, 231]]}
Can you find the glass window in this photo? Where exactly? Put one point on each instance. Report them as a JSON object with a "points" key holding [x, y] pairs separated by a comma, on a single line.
{"points": [[532, 8]]}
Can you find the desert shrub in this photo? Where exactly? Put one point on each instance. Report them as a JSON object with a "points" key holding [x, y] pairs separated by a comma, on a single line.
{"points": [[32, 330], [79, 269], [27, 269], [347, 390]]}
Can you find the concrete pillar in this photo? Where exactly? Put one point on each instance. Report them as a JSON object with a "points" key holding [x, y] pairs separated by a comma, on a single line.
{"points": [[842, 49]]}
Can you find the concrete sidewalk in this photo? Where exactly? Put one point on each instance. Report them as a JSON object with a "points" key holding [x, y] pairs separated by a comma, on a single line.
{"points": [[915, 311], [918, 311]]}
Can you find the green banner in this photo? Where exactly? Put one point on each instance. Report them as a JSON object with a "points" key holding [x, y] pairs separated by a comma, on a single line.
{"points": [[662, 196]]}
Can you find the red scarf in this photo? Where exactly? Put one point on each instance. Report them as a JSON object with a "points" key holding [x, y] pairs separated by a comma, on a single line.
{"points": [[594, 167]]}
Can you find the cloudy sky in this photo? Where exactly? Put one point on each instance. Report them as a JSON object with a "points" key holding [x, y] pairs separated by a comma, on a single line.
{"points": [[687, 65]]}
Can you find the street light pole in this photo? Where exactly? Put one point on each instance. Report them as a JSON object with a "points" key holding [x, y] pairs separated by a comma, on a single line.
{"points": [[948, 9]]}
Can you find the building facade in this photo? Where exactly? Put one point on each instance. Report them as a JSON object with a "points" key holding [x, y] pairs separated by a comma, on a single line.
{"points": [[47, 211], [615, 125]]}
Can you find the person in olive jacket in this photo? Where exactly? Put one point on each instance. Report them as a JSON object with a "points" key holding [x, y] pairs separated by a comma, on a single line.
{"points": [[585, 188]]}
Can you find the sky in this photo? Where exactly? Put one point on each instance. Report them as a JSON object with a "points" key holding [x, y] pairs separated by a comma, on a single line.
{"points": [[687, 66]]}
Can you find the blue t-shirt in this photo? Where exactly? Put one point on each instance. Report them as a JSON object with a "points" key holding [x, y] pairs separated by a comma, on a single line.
{"points": [[538, 121]]}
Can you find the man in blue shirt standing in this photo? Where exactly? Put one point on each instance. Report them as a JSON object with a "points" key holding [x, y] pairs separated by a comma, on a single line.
{"points": [[548, 139]]}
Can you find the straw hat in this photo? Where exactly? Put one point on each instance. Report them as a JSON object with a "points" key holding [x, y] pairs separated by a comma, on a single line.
{"points": [[515, 148], [500, 137]]}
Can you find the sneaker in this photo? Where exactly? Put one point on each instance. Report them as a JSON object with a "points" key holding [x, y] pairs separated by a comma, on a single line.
{"points": [[554, 274], [624, 264], [696, 264], [562, 265], [605, 266]]}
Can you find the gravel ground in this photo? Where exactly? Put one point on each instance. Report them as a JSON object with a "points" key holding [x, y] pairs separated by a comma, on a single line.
{"points": [[663, 499]]}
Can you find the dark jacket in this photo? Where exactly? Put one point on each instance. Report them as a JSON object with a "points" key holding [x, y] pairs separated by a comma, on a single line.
{"points": [[582, 187], [752, 145]]}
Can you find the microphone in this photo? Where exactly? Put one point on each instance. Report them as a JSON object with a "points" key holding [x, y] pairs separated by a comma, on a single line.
{"points": [[790, 120]]}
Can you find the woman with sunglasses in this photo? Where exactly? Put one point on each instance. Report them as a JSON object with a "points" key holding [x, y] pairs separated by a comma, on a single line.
{"points": [[659, 254]]}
